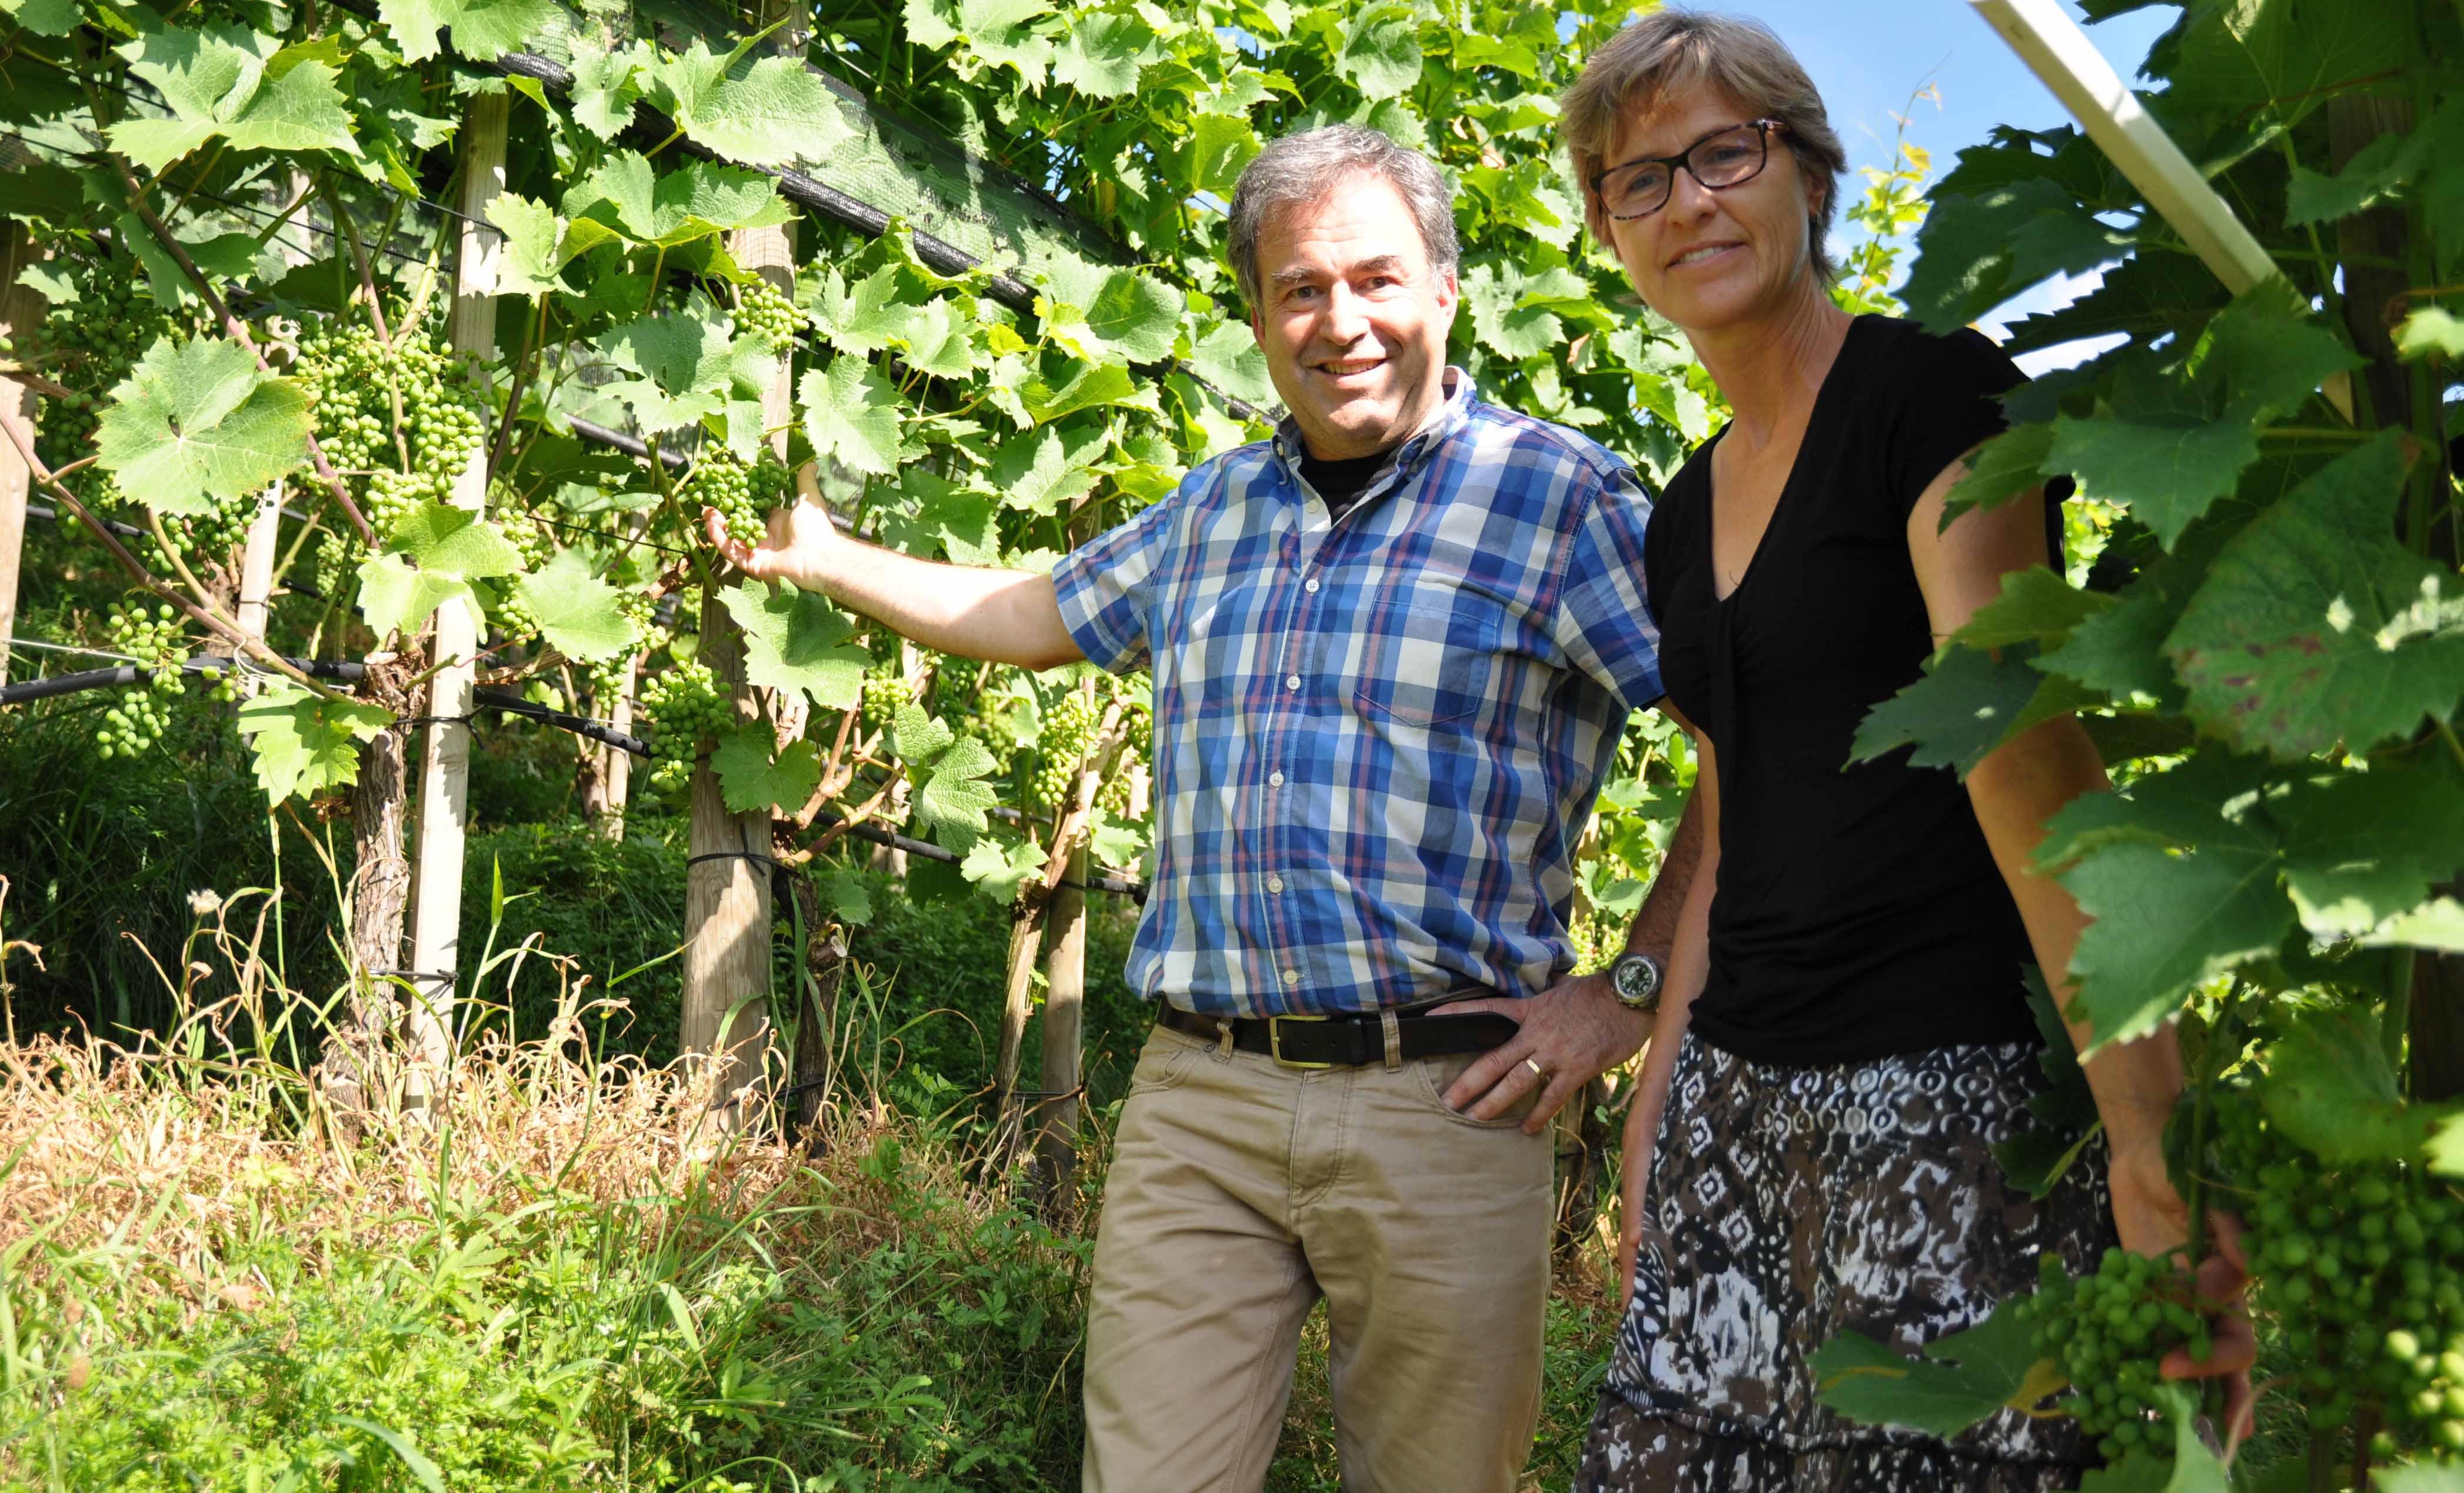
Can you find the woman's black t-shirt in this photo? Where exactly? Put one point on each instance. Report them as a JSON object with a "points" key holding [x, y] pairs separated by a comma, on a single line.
{"points": [[1858, 912]]}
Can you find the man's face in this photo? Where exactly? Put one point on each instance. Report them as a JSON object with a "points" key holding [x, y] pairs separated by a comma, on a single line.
{"points": [[1353, 320]]}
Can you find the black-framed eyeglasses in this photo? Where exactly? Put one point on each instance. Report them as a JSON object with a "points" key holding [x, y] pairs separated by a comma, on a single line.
{"points": [[1724, 158]]}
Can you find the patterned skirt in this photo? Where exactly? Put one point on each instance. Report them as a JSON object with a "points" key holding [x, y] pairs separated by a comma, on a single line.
{"points": [[1789, 1204]]}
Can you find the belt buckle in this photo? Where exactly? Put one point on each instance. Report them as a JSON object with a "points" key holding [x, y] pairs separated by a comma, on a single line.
{"points": [[1275, 1041]]}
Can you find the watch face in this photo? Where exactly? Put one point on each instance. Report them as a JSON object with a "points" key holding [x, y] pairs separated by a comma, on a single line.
{"points": [[1636, 979]]}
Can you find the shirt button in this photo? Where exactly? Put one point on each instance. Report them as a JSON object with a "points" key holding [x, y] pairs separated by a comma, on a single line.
{"points": [[1293, 682], [1310, 585], [1291, 976], [1274, 883], [1275, 779]]}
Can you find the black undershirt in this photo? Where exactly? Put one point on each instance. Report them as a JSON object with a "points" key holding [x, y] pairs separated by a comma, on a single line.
{"points": [[1858, 913], [1341, 482]]}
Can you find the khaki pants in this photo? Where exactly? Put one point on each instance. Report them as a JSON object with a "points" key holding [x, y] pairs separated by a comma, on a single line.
{"points": [[1241, 1190]]}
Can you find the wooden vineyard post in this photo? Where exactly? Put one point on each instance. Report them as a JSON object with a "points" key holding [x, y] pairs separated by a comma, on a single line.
{"points": [[727, 887], [1065, 1009], [611, 776], [20, 311], [445, 767], [1028, 917], [253, 604]]}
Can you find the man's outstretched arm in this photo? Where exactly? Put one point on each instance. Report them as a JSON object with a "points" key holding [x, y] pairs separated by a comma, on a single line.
{"points": [[1006, 616]]}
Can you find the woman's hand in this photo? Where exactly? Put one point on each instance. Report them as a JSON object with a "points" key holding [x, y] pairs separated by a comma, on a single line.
{"points": [[2152, 1220], [1633, 1184]]}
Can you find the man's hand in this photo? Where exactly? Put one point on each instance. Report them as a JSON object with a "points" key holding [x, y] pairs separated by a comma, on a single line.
{"points": [[798, 548], [1576, 1030]]}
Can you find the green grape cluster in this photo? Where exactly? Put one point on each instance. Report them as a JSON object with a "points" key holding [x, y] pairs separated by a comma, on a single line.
{"points": [[137, 718], [351, 376], [764, 313], [680, 706], [742, 491], [87, 344], [2109, 1331], [1061, 750], [213, 538], [2362, 1265], [885, 691], [1597, 942], [530, 540]]}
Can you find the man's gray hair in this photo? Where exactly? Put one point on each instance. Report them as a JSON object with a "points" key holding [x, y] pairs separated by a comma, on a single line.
{"points": [[1300, 170]]}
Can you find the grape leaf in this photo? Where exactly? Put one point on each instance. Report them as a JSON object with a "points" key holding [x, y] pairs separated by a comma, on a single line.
{"points": [[1957, 1381], [1968, 704], [2437, 923], [43, 17], [483, 29], [940, 339], [751, 779], [796, 640], [2235, 58], [2430, 330], [2164, 922], [999, 868], [1004, 33], [1115, 842], [1101, 55], [2332, 1092], [452, 547], [532, 230], [1975, 251], [304, 743], [230, 81], [1229, 357], [198, 421], [2362, 847], [850, 898], [606, 87], [576, 610], [2423, 1476], [853, 413], [2000, 469], [1090, 386], [2036, 607], [1039, 471], [1501, 318], [678, 207], [1219, 147], [2169, 471], [773, 112], [869, 315], [2377, 171], [953, 799], [1134, 316], [2315, 626], [1381, 51]]}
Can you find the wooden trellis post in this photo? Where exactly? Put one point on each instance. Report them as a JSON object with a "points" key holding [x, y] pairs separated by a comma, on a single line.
{"points": [[20, 311], [445, 769], [1065, 1009]]}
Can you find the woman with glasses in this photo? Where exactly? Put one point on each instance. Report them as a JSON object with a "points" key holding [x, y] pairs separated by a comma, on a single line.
{"points": [[1845, 1034]]}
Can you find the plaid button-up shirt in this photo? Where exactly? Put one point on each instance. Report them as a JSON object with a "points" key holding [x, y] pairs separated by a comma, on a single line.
{"points": [[1377, 739]]}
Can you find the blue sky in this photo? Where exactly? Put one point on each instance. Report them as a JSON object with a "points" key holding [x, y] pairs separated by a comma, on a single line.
{"points": [[1867, 57]]}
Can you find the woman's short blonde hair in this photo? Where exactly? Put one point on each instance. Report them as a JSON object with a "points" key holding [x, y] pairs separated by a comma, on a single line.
{"points": [[1669, 50]]}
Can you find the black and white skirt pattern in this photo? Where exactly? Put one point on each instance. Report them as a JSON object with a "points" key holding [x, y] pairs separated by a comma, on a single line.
{"points": [[1790, 1204]]}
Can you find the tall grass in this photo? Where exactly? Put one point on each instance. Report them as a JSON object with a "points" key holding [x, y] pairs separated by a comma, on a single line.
{"points": [[559, 1276]]}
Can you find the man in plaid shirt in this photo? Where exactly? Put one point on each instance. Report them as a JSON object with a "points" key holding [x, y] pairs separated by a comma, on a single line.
{"points": [[1392, 650]]}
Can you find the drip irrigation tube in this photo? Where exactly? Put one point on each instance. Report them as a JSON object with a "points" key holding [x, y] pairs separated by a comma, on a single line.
{"points": [[344, 670]]}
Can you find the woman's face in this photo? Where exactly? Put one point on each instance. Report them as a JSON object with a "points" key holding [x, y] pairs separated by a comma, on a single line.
{"points": [[1711, 259]]}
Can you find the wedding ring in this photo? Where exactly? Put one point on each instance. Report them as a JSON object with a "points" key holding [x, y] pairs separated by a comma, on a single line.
{"points": [[1537, 1071]]}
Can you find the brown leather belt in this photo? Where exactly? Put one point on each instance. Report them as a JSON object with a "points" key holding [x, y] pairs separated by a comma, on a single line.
{"points": [[1318, 1041]]}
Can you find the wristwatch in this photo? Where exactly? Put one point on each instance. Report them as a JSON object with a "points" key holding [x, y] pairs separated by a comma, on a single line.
{"points": [[1635, 979]]}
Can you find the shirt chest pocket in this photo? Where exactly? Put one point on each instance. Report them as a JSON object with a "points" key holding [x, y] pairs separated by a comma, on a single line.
{"points": [[1446, 656]]}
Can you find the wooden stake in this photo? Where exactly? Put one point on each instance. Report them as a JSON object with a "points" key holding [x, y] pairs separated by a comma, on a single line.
{"points": [[21, 311], [1064, 1001], [445, 768]]}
